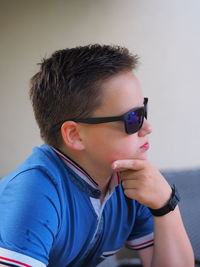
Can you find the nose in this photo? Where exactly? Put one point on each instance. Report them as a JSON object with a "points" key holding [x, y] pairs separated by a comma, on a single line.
{"points": [[146, 129]]}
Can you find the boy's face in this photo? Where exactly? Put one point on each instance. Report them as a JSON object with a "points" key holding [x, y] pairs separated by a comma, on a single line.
{"points": [[108, 142]]}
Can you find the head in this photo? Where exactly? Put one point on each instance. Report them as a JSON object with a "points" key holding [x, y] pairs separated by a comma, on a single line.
{"points": [[88, 82], [69, 84]]}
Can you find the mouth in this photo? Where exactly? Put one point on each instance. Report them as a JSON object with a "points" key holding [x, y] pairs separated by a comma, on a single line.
{"points": [[145, 147]]}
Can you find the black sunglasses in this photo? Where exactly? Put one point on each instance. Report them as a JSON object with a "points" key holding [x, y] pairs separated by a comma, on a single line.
{"points": [[133, 119]]}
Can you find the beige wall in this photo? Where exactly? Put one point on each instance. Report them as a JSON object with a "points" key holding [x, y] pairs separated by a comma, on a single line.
{"points": [[166, 35]]}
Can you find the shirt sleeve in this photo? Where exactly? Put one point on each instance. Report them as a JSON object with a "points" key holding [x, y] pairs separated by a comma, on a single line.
{"points": [[30, 218], [142, 235]]}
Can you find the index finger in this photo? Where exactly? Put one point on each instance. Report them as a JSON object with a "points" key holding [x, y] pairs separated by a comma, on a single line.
{"points": [[128, 164]]}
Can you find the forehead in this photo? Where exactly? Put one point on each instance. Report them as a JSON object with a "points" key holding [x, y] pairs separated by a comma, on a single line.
{"points": [[120, 93]]}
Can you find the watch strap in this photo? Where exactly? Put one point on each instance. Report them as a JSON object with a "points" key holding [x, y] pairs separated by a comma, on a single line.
{"points": [[170, 206]]}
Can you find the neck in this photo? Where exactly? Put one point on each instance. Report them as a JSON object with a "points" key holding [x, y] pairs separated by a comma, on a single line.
{"points": [[98, 174]]}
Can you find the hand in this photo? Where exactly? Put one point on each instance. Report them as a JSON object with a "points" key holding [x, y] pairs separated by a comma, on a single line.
{"points": [[143, 182]]}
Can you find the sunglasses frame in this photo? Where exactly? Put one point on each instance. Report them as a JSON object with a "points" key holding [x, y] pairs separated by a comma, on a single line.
{"points": [[123, 118]]}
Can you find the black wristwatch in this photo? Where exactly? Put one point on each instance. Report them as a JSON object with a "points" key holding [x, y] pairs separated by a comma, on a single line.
{"points": [[175, 198]]}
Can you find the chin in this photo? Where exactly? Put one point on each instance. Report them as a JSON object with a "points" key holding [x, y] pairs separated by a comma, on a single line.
{"points": [[143, 156]]}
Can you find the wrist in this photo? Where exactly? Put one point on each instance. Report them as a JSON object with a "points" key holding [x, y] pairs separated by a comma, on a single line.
{"points": [[169, 206]]}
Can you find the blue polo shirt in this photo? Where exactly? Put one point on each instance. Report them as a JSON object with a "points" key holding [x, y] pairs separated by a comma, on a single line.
{"points": [[51, 215]]}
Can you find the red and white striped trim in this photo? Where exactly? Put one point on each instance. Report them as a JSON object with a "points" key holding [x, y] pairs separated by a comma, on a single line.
{"points": [[76, 169], [18, 259], [109, 253], [81, 173], [141, 242]]}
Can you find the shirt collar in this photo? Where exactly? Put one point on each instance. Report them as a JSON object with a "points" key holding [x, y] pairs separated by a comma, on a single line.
{"points": [[114, 181]]}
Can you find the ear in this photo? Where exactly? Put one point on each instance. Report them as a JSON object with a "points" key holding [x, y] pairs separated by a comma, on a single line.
{"points": [[71, 136]]}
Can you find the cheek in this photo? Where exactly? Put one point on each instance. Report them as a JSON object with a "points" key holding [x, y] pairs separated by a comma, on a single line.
{"points": [[126, 149], [116, 147], [108, 146]]}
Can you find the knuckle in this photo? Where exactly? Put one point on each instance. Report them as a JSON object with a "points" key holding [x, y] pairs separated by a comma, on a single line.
{"points": [[126, 184], [128, 193]]}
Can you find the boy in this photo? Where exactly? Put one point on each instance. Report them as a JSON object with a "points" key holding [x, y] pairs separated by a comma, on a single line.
{"points": [[65, 206]]}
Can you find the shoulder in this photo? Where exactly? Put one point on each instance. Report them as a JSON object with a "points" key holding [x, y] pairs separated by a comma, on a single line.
{"points": [[29, 194], [30, 217], [42, 167], [32, 200]]}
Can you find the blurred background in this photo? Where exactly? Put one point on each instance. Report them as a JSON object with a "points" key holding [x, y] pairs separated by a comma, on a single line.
{"points": [[166, 36]]}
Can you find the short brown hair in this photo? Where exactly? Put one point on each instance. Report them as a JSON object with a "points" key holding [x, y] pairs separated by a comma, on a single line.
{"points": [[68, 84]]}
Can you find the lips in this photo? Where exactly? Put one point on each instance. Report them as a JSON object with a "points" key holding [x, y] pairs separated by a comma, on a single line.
{"points": [[145, 146]]}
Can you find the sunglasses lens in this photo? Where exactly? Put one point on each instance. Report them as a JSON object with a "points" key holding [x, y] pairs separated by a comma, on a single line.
{"points": [[135, 120]]}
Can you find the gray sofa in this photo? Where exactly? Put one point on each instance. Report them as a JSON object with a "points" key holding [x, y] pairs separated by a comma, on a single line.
{"points": [[188, 184]]}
